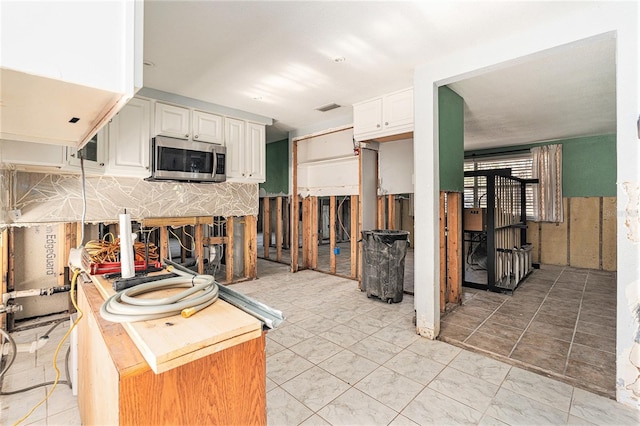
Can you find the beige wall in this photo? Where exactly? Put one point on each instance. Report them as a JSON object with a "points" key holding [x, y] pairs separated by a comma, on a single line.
{"points": [[586, 238]]}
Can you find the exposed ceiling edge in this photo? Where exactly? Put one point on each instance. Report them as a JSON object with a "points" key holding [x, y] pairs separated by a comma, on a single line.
{"points": [[202, 105]]}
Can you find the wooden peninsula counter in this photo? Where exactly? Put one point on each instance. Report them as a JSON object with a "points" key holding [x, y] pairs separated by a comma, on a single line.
{"points": [[206, 369]]}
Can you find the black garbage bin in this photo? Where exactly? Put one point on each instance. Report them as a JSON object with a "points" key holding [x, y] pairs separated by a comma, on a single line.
{"points": [[383, 263]]}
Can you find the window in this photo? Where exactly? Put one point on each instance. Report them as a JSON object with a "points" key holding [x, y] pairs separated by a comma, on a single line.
{"points": [[475, 188]]}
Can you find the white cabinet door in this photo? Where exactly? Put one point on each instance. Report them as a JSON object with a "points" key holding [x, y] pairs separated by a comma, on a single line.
{"points": [[398, 109], [389, 115], [367, 117], [129, 142], [67, 59], [32, 154], [172, 121], [93, 153], [207, 127], [255, 153], [234, 140]]}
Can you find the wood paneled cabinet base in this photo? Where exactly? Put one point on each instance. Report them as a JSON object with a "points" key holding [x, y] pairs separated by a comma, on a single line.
{"points": [[117, 386]]}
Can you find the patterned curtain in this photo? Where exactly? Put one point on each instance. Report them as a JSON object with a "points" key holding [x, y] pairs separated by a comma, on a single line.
{"points": [[547, 195]]}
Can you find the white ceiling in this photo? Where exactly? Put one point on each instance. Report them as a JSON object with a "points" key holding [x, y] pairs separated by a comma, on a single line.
{"points": [[276, 59]]}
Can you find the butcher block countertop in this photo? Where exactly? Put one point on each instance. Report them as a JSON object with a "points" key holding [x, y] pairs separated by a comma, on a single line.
{"points": [[174, 341]]}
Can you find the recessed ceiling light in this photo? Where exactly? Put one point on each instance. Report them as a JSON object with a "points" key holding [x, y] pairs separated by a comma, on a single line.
{"points": [[148, 64], [339, 59]]}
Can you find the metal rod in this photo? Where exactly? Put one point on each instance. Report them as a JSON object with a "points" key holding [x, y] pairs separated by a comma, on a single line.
{"points": [[271, 318]]}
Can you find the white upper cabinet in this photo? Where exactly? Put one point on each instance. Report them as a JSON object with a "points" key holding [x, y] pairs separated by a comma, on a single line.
{"points": [[255, 153], [33, 154], [234, 140], [173, 121], [129, 140], [93, 154], [246, 151], [185, 123], [67, 67], [207, 127], [367, 116], [397, 111], [388, 115]]}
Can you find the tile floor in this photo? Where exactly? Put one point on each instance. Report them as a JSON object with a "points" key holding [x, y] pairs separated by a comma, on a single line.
{"points": [[341, 358], [560, 321], [30, 369]]}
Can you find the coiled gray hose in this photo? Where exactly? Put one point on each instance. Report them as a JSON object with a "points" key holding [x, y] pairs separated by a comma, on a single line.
{"points": [[125, 307]]}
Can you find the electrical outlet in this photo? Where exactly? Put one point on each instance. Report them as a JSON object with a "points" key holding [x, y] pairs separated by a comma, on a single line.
{"points": [[15, 214]]}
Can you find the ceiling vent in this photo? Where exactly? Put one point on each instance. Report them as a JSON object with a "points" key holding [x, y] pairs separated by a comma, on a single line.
{"points": [[327, 107]]}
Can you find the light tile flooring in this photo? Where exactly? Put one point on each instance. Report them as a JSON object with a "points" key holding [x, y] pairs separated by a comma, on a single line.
{"points": [[34, 368], [343, 359]]}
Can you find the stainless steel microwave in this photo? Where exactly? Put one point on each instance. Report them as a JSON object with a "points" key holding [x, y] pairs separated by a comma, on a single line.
{"points": [[186, 160]]}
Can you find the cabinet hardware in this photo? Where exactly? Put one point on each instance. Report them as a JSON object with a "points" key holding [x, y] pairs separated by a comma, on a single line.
{"points": [[377, 125], [195, 137]]}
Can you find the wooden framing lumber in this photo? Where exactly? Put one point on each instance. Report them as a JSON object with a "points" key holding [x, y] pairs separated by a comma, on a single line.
{"points": [[228, 255], [443, 253], [176, 221], [250, 247], [11, 274], [391, 212], [294, 209], [354, 214], [214, 240], [199, 246], [306, 232], [454, 247], [4, 266], [314, 232], [183, 244], [70, 241], [332, 234], [286, 219], [164, 242], [380, 216], [279, 221], [266, 225]]}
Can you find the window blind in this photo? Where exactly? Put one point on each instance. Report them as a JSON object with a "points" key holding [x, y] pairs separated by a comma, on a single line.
{"points": [[475, 188]]}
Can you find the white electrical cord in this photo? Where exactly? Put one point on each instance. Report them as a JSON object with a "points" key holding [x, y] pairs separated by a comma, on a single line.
{"points": [[84, 199], [125, 307]]}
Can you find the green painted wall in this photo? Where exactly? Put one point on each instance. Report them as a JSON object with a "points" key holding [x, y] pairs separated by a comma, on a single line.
{"points": [[451, 139], [277, 159], [588, 164]]}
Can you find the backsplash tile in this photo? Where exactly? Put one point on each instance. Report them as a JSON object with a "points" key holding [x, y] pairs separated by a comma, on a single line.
{"points": [[45, 197]]}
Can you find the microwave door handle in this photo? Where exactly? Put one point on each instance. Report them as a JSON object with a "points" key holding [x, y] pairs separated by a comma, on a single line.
{"points": [[215, 164]]}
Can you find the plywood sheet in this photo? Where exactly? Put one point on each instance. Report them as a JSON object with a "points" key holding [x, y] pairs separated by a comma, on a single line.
{"points": [[609, 234], [174, 341], [584, 234], [553, 240]]}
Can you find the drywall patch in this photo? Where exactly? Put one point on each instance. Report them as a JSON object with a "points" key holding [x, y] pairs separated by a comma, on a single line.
{"points": [[632, 209]]}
